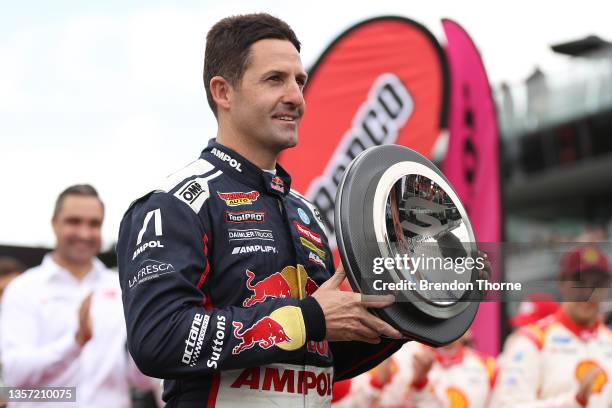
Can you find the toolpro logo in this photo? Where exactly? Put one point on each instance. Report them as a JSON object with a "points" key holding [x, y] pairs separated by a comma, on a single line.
{"points": [[240, 198], [240, 217], [265, 333], [273, 286]]}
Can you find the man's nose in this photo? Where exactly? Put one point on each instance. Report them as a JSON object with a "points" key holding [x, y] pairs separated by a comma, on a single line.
{"points": [[293, 94]]}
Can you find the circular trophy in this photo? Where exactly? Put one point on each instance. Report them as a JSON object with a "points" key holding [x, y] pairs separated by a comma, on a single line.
{"points": [[402, 230]]}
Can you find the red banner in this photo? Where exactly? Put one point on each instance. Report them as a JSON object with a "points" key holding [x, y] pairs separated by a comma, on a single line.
{"points": [[382, 81]]}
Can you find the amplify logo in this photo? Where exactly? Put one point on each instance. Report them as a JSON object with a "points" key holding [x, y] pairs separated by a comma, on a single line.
{"points": [[226, 158], [278, 184], [249, 249], [273, 286], [236, 199], [245, 216], [265, 333], [195, 339]]}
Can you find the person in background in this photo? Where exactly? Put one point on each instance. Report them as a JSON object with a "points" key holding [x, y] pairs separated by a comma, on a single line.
{"points": [[62, 322], [10, 268], [564, 360]]}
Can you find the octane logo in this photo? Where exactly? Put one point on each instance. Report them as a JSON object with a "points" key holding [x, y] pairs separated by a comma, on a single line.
{"points": [[265, 333]]}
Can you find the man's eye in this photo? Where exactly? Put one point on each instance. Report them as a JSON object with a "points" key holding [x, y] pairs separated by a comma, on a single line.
{"points": [[274, 78]]}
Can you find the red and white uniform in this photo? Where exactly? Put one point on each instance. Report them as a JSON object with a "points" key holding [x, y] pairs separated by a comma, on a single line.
{"points": [[461, 380], [543, 364]]}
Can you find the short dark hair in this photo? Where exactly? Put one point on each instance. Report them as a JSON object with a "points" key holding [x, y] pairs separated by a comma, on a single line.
{"points": [[228, 44], [78, 189], [10, 265]]}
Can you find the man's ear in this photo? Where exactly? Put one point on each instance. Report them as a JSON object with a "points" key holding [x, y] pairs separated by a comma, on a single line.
{"points": [[221, 91]]}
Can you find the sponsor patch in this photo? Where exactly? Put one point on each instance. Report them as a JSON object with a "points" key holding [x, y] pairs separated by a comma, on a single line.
{"points": [[239, 217], [218, 340], [278, 184], [157, 225], [239, 198], [314, 258], [303, 216], [150, 269], [281, 379], [308, 234], [195, 339], [321, 253], [265, 333], [238, 235], [249, 249], [226, 158], [273, 286]]}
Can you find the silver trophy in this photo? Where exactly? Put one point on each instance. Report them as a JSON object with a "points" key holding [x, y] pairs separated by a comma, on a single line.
{"points": [[401, 229]]}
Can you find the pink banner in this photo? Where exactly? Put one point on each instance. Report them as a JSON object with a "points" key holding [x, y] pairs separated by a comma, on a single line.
{"points": [[472, 164]]}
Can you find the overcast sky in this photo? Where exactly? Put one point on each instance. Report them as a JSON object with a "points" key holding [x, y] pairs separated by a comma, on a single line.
{"points": [[111, 94]]}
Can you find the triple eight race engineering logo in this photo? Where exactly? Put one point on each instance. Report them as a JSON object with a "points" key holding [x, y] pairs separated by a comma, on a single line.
{"points": [[378, 121]]}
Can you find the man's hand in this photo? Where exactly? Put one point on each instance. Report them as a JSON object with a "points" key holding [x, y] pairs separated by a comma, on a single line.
{"points": [[84, 332], [421, 365], [346, 314], [586, 385]]}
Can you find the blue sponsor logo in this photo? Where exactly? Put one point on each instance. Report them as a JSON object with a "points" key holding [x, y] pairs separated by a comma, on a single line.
{"points": [[303, 216], [518, 357], [560, 339]]}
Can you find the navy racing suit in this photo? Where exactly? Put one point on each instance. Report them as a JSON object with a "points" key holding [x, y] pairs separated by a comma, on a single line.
{"points": [[216, 269]]}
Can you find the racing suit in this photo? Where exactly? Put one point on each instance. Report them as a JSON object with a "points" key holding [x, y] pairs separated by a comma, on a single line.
{"points": [[216, 267], [543, 364]]}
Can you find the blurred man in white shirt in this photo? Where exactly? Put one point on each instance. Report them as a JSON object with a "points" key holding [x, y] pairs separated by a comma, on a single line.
{"points": [[62, 322]]}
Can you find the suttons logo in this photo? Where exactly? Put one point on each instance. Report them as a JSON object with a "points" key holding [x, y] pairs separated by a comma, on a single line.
{"points": [[265, 333], [308, 234], [278, 184], [239, 198], [378, 121], [286, 380], [240, 217]]}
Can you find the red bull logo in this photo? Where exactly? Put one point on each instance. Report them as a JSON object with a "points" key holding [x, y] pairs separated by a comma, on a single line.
{"points": [[273, 286], [265, 333], [236, 199], [311, 287], [278, 184]]}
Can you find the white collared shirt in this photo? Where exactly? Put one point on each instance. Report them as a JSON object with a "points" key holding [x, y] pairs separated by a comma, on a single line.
{"points": [[38, 325]]}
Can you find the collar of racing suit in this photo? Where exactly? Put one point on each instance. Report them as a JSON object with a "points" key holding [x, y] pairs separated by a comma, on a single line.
{"points": [[584, 333], [243, 170], [447, 359]]}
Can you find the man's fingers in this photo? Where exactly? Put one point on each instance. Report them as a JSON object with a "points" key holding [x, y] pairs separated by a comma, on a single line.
{"points": [[381, 327], [377, 301], [336, 279]]}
